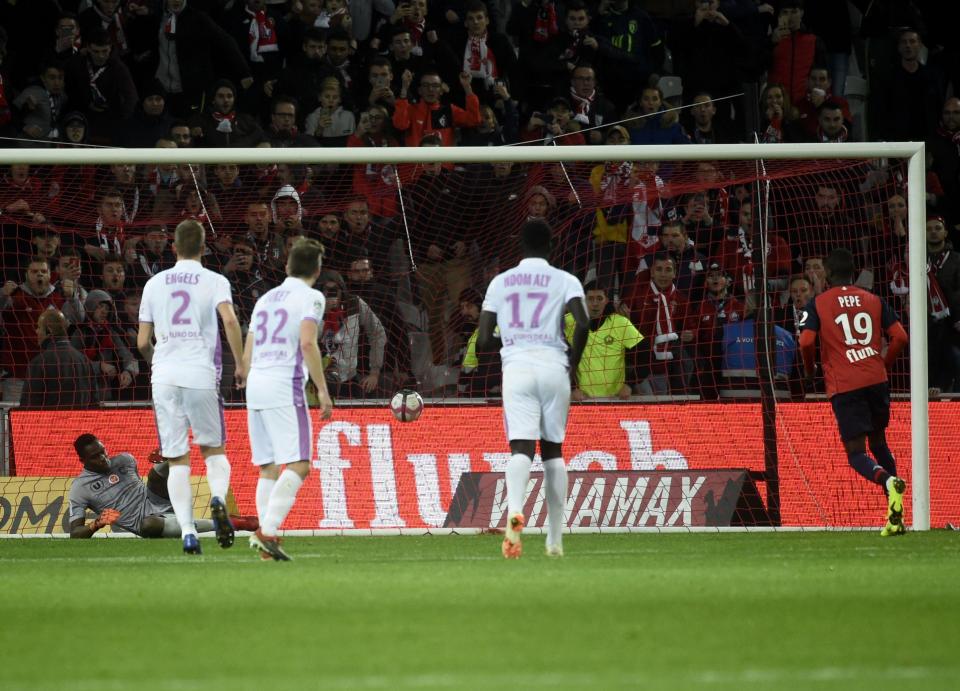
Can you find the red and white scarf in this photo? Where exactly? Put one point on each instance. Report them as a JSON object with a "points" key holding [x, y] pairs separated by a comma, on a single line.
{"points": [[665, 333], [113, 25], [936, 299], [478, 60], [416, 30], [170, 24], [545, 24], [581, 104], [262, 37]]}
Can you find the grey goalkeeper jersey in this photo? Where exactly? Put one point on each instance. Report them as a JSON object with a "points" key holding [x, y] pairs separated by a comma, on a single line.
{"points": [[119, 488]]}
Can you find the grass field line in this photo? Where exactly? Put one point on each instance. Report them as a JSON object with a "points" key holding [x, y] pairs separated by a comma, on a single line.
{"points": [[749, 676]]}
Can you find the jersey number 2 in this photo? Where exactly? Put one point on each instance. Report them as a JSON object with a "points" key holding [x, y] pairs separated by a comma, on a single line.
{"points": [[862, 331]]}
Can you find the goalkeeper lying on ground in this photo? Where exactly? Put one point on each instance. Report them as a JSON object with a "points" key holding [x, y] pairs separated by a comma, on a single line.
{"points": [[112, 488]]}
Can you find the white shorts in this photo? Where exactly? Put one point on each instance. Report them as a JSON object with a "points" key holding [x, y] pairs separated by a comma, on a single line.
{"points": [[280, 435], [178, 409], [536, 402]]}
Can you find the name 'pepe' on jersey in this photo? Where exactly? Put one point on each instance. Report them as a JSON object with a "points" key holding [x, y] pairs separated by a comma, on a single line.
{"points": [[277, 371], [850, 322], [529, 301]]}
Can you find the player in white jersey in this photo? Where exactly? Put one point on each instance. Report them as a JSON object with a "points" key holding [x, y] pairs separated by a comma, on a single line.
{"points": [[527, 303], [179, 308], [281, 348]]}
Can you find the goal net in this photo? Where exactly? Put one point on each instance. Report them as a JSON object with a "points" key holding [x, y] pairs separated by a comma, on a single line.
{"points": [[708, 253]]}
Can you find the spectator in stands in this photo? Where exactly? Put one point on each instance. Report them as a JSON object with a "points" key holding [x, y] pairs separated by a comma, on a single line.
{"points": [[154, 254], [41, 105], [181, 134], [68, 269], [534, 25], [910, 82], [337, 253], [108, 16], [113, 277], [709, 51], [346, 318], [660, 311], [415, 40], [706, 322], [602, 372], [690, 262], [74, 128], [815, 272], [831, 226], [337, 59], [485, 54], [380, 87], [222, 125], [736, 253], [20, 308], [230, 193], [703, 127], [110, 229], [246, 278], [490, 132], [45, 242], [100, 337], [794, 51], [60, 375], [800, 294], [888, 251], [283, 131], [68, 39], [944, 147], [479, 372], [831, 126], [267, 241], [631, 47], [303, 76], [440, 249], [651, 122], [943, 298], [556, 125], [401, 55], [362, 281], [100, 85], [819, 92], [192, 53], [286, 211], [123, 178], [430, 115], [590, 107], [780, 121], [331, 123], [151, 121], [366, 237]]}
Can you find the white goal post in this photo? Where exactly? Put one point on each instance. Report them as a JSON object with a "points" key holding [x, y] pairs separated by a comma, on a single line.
{"points": [[916, 201]]}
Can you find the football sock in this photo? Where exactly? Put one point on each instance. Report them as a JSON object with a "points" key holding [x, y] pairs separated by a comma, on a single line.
{"points": [[518, 475], [884, 457], [264, 488], [181, 498], [281, 501], [172, 529], [555, 481], [867, 467], [218, 476]]}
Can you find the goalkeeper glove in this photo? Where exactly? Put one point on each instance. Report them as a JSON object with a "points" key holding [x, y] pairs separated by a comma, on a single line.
{"points": [[106, 517]]}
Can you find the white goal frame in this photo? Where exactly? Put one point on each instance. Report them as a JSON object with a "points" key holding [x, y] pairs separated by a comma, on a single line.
{"points": [[916, 203]]}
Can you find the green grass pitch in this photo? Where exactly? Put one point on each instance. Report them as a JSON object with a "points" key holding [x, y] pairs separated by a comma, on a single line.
{"points": [[669, 611]]}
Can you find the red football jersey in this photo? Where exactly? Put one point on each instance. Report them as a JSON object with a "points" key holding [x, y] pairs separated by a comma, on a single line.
{"points": [[850, 322]]}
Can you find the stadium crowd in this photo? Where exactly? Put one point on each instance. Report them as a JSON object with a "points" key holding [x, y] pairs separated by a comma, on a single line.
{"points": [[664, 249]]}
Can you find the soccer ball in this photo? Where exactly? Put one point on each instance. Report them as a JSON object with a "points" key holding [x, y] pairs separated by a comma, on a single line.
{"points": [[406, 405]]}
